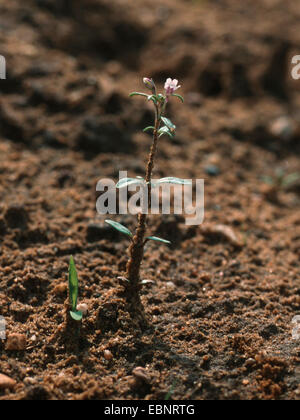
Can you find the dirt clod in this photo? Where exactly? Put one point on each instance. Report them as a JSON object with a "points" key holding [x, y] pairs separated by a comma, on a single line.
{"points": [[16, 342]]}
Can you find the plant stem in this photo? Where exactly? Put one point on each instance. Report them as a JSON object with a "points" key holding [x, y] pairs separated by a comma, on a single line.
{"points": [[136, 249]]}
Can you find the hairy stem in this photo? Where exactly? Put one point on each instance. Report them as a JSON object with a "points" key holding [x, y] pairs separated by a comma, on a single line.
{"points": [[136, 249]]}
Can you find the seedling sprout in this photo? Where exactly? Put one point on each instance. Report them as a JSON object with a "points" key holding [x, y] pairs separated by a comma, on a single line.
{"points": [[73, 291]]}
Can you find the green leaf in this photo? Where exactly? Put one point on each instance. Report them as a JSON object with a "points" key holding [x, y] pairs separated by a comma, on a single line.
{"points": [[153, 98], [125, 182], [268, 180], [119, 227], [155, 238], [138, 94], [280, 173], [165, 130], [173, 180], [144, 282], [171, 392], [178, 96], [291, 179], [73, 284], [148, 129], [161, 97], [169, 124], [76, 315]]}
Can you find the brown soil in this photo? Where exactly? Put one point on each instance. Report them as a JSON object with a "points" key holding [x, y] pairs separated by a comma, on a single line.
{"points": [[221, 305]]}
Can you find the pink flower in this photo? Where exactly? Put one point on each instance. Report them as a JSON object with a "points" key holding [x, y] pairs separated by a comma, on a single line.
{"points": [[171, 86]]}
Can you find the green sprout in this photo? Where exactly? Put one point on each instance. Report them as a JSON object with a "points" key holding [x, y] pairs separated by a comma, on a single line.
{"points": [[163, 126], [280, 180], [170, 393], [73, 291]]}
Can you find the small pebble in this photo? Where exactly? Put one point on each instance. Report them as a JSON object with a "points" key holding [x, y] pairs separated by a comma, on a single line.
{"points": [[283, 127], [108, 355], [82, 307], [30, 381], [212, 170], [6, 382], [16, 342], [60, 289], [140, 373]]}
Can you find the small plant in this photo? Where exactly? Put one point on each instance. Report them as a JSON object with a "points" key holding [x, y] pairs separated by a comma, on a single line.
{"points": [[73, 291], [163, 126], [169, 394], [281, 180]]}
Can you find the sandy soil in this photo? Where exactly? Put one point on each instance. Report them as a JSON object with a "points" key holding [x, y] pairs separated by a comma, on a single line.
{"points": [[221, 306]]}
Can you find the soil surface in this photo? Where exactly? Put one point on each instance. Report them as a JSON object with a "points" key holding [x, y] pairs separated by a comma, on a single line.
{"points": [[223, 296]]}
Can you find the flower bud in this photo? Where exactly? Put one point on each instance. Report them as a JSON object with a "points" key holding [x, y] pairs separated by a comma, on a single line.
{"points": [[149, 84]]}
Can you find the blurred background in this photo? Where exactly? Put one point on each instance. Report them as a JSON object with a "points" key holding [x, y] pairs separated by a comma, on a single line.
{"points": [[66, 119], [71, 64]]}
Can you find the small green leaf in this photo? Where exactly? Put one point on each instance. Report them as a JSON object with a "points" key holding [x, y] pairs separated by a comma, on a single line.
{"points": [[291, 179], [169, 124], [165, 130], [173, 180], [144, 282], [178, 96], [73, 284], [280, 173], [138, 94], [148, 129], [125, 182], [171, 392], [123, 279], [155, 238], [76, 315], [119, 227], [268, 180], [161, 97], [153, 98]]}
